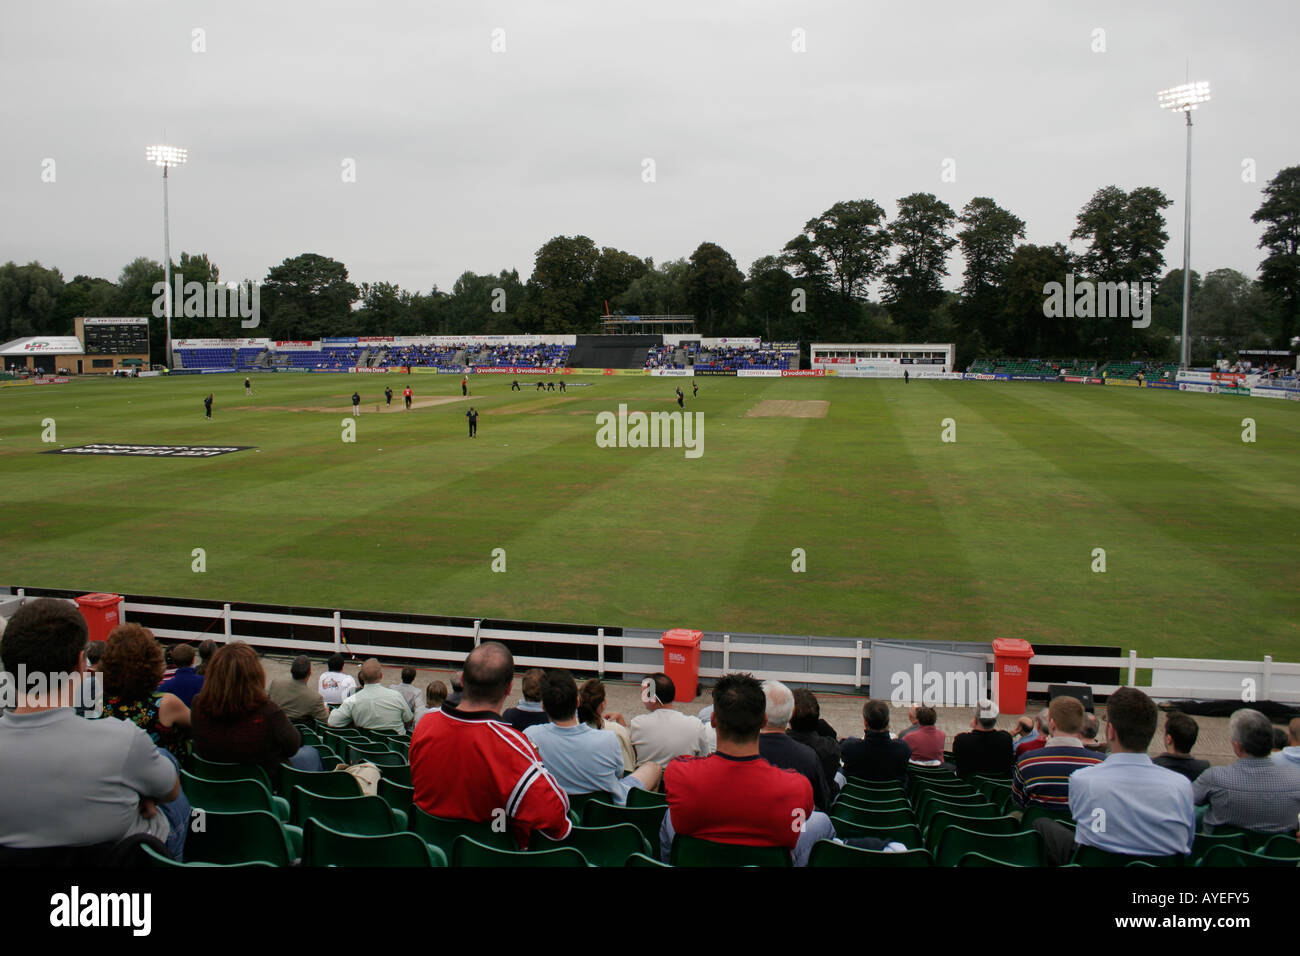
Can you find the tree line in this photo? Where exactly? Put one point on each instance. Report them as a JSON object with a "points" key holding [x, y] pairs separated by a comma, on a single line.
{"points": [[816, 288]]}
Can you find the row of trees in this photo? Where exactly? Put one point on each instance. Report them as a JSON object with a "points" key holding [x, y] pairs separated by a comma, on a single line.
{"points": [[818, 287]]}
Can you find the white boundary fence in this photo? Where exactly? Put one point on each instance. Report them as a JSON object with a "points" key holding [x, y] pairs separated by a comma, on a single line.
{"points": [[1172, 678]]}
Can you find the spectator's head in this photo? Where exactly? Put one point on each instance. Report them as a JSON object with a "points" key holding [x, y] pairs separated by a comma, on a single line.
{"points": [[807, 712], [1065, 717], [458, 683], [183, 655], [1181, 732], [657, 691], [986, 715], [559, 695], [1130, 720], [532, 684], [300, 669], [1279, 738], [1292, 731], [234, 686], [779, 706], [94, 653], [926, 715], [591, 702], [1090, 726], [1043, 722], [207, 648], [44, 636], [1024, 726], [875, 714], [739, 708], [435, 694], [372, 672], [408, 675], [133, 663], [1251, 733], [489, 674], [335, 662]]}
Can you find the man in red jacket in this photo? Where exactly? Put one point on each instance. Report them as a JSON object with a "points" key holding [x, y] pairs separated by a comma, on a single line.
{"points": [[734, 795], [468, 764]]}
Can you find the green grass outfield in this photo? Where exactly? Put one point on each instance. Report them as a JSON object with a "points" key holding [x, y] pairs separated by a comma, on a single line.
{"points": [[904, 535]]}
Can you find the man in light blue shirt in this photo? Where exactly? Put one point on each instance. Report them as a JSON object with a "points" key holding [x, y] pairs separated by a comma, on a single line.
{"points": [[1126, 804], [581, 758], [1290, 755]]}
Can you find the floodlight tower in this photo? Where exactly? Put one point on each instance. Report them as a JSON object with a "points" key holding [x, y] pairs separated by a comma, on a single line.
{"points": [[1183, 99], [166, 157]]}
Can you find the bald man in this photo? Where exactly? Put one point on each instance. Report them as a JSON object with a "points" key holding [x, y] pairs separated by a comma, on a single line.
{"points": [[374, 706]]}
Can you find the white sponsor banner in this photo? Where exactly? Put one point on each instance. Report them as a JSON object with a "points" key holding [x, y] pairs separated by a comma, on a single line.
{"points": [[672, 372], [894, 371], [43, 345], [758, 373], [301, 346], [738, 343], [112, 321], [1265, 391], [220, 343], [1196, 387]]}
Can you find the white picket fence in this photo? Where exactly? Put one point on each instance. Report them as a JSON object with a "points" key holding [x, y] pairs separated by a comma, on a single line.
{"points": [[1172, 678]]}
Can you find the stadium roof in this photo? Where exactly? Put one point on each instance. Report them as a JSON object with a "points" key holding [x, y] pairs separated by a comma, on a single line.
{"points": [[44, 345]]}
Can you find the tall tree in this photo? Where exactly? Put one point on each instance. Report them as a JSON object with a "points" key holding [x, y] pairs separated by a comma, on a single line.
{"points": [[914, 280], [850, 240], [1028, 330], [714, 286], [561, 295], [307, 297], [660, 291], [1279, 273], [615, 271], [1125, 233], [28, 299], [988, 241]]}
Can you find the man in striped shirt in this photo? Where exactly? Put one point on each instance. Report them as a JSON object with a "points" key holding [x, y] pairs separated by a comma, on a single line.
{"points": [[1042, 776], [468, 764]]}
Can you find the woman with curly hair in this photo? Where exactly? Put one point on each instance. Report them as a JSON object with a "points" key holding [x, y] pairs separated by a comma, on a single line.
{"points": [[236, 722], [131, 669], [591, 711]]}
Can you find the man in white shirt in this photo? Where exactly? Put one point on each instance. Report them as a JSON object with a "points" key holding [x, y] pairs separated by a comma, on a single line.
{"points": [[374, 706], [664, 733], [336, 686]]}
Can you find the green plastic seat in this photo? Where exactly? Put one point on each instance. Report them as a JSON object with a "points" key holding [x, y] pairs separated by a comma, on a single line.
{"points": [[598, 813], [324, 846], [601, 846], [1094, 857], [827, 853], [254, 835], [1033, 813], [1282, 845], [442, 832], [396, 772], [909, 834], [872, 818], [398, 797], [579, 800], [329, 759], [636, 797], [934, 807], [640, 859], [944, 819], [857, 783], [362, 815], [232, 796], [467, 851], [860, 803], [1231, 856], [1255, 839], [1025, 848], [161, 861], [1204, 842], [376, 754], [691, 851], [215, 770], [325, 783], [979, 859]]}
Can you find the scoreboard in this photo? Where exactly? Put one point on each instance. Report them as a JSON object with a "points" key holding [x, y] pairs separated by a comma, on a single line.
{"points": [[112, 336]]}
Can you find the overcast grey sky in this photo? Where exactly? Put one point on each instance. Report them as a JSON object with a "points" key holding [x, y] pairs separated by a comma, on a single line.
{"points": [[468, 158]]}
